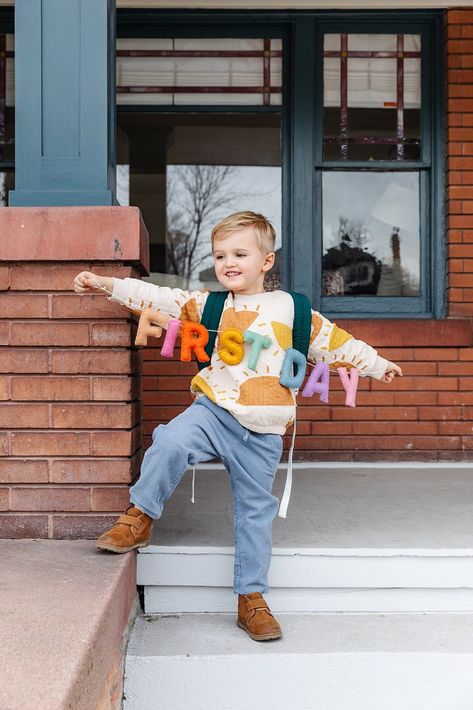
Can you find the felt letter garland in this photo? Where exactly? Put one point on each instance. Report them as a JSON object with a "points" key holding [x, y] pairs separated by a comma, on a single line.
{"points": [[195, 336]]}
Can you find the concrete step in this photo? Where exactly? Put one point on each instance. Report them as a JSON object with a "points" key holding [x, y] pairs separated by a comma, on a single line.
{"points": [[322, 662], [357, 538]]}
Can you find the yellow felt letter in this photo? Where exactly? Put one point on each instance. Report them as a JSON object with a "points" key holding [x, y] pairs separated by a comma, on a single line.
{"points": [[232, 352]]}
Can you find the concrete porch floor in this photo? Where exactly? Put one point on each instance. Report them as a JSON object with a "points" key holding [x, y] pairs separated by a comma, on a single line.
{"points": [[332, 505], [66, 609]]}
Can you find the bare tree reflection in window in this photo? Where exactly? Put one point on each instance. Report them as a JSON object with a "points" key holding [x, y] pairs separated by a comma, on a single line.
{"points": [[194, 194], [198, 196]]}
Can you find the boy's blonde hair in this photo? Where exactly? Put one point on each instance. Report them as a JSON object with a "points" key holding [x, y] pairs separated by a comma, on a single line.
{"points": [[262, 229]]}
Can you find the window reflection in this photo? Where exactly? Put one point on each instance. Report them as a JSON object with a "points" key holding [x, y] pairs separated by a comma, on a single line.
{"points": [[371, 242], [186, 172], [196, 71], [7, 183], [372, 97]]}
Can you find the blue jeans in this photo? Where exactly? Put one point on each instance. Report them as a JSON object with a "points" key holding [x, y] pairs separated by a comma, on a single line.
{"points": [[205, 431]]}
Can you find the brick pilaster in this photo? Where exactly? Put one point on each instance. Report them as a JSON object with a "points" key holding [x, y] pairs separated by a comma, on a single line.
{"points": [[70, 441]]}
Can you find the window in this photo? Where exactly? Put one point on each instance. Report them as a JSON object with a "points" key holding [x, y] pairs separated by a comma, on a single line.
{"points": [[198, 137], [188, 171], [205, 71], [378, 166]]}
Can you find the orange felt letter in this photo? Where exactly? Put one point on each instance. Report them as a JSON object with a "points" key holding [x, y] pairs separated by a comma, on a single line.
{"points": [[194, 337]]}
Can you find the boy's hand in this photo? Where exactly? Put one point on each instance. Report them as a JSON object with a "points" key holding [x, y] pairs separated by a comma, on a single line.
{"points": [[391, 371], [87, 281]]}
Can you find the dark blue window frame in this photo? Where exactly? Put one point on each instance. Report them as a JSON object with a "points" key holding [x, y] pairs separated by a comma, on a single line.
{"points": [[431, 301]]}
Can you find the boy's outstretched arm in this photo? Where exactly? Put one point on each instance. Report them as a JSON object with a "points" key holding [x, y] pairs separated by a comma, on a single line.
{"points": [[138, 295], [337, 347]]}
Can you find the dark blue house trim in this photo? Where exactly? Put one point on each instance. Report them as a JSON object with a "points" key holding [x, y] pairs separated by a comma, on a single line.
{"points": [[64, 103]]}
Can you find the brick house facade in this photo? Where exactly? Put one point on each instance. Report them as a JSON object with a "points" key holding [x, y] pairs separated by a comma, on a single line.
{"points": [[79, 402]]}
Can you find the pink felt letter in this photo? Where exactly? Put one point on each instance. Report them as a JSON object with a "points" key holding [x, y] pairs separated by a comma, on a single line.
{"points": [[350, 384], [170, 340], [320, 372]]}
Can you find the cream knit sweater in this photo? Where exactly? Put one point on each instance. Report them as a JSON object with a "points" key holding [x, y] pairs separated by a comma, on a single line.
{"points": [[254, 397]]}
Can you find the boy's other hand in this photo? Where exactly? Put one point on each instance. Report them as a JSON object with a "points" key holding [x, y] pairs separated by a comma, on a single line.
{"points": [[391, 371], [86, 281]]}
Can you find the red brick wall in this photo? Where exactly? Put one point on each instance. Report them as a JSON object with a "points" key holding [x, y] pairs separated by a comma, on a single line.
{"points": [[426, 415], [460, 161], [70, 421]]}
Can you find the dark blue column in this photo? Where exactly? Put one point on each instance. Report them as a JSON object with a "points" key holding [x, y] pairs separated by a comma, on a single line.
{"points": [[64, 102]]}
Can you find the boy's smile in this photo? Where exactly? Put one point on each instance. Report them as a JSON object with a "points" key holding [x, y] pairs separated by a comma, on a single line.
{"points": [[240, 265]]}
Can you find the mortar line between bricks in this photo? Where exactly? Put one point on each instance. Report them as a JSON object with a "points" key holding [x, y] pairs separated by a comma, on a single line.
{"points": [[68, 486]]}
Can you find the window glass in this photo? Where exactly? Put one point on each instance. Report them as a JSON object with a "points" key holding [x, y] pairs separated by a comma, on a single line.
{"points": [[188, 171], [7, 116], [372, 97], [199, 71], [370, 233]]}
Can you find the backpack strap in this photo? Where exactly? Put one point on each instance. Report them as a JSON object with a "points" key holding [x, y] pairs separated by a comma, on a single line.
{"points": [[211, 320], [302, 322]]}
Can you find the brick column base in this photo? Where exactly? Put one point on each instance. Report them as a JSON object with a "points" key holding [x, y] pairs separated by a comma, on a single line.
{"points": [[70, 424]]}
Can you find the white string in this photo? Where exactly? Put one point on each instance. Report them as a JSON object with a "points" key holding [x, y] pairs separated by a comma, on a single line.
{"points": [[193, 485]]}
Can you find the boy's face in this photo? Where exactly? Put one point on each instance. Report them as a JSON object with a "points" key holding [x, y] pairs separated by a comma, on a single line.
{"points": [[240, 266]]}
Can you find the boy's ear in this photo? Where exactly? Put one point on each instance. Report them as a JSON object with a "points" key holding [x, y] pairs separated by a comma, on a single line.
{"points": [[269, 260]]}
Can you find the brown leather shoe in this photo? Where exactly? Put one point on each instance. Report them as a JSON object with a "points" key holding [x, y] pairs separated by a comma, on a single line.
{"points": [[255, 617], [133, 529]]}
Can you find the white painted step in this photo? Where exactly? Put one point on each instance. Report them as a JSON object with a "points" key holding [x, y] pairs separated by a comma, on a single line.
{"points": [[322, 662], [363, 538]]}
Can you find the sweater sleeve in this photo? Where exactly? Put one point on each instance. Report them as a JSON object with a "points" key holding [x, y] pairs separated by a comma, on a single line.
{"points": [[137, 295], [331, 344]]}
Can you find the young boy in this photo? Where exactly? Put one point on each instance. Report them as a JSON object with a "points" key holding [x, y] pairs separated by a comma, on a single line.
{"points": [[239, 413]]}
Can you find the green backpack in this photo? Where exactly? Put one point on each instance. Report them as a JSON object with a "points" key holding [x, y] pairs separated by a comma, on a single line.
{"points": [[300, 333]]}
